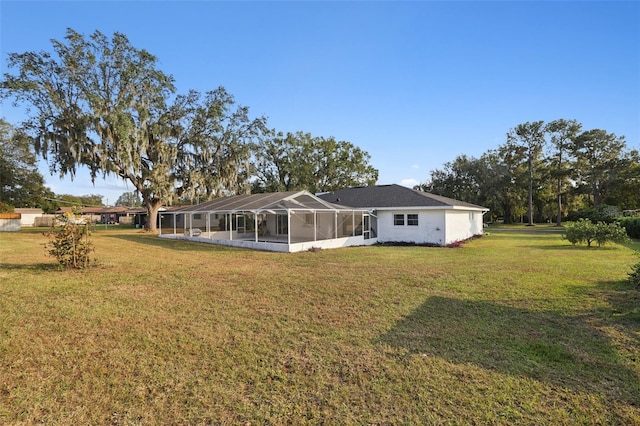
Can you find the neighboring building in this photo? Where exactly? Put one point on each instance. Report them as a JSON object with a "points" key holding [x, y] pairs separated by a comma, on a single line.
{"points": [[111, 215], [90, 214], [123, 215], [282, 221], [9, 222], [168, 220], [28, 216], [405, 215]]}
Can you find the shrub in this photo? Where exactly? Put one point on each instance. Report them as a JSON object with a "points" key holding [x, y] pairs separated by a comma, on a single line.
{"points": [[584, 231], [632, 225], [634, 275], [577, 232], [69, 241], [610, 232]]}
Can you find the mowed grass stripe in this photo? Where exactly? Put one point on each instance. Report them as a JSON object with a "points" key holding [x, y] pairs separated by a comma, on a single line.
{"points": [[517, 326]]}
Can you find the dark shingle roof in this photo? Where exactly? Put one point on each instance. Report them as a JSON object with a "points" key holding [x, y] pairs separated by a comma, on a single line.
{"points": [[381, 196]]}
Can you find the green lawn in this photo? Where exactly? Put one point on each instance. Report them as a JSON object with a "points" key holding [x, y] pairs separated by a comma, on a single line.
{"points": [[517, 327]]}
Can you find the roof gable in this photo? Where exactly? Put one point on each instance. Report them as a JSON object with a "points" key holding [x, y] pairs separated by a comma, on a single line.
{"points": [[392, 196]]}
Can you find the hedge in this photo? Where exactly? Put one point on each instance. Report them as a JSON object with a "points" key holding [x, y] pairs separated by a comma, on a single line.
{"points": [[632, 225]]}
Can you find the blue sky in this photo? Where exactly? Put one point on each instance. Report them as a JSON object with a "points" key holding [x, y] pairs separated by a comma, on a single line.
{"points": [[414, 84]]}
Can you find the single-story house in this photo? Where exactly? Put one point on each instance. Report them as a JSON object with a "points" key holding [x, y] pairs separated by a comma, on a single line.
{"points": [[123, 215], [168, 220], [405, 215], [281, 221], [113, 215], [28, 215], [90, 214]]}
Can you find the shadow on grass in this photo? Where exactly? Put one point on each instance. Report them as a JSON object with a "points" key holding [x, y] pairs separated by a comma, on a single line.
{"points": [[536, 229], [546, 345], [624, 306], [173, 244], [569, 246], [30, 266], [634, 244]]}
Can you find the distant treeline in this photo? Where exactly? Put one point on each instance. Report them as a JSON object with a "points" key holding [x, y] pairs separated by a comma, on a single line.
{"points": [[545, 172]]}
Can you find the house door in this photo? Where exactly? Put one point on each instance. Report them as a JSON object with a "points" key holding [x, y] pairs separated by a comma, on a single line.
{"points": [[240, 224], [366, 226], [282, 226]]}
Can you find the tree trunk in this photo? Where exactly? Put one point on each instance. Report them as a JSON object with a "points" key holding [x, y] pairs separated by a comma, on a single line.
{"points": [[530, 195], [596, 194], [559, 218], [153, 207], [506, 210]]}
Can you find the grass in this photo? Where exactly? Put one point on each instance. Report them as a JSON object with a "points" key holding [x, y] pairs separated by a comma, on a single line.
{"points": [[515, 327]]}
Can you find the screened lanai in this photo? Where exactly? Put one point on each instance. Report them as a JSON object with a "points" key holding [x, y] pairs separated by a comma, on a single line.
{"points": [[282, 221]]}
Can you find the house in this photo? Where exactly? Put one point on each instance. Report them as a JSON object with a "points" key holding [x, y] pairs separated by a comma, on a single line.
{"points": [[123, 215], [111, 215], [406, 215], [282, 221], [170, 216], [28, 216], [90, 214]]}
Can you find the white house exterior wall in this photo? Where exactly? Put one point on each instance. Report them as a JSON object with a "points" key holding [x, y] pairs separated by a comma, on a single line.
{"points": [[28, 219], [462, 225], [458, 226], [280, 247], [430, 229], [477, 223]]}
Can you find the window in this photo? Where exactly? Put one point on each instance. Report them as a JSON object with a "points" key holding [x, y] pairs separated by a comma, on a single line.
{"points": [[197, 216], [398, 219], [412, 219]]}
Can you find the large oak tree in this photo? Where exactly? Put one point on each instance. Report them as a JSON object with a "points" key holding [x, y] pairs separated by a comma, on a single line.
{"points": [[104, 104], [317, 164]]}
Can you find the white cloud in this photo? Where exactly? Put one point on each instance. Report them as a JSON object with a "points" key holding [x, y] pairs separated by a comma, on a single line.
{"points": [[415, 166], [410, 183]]}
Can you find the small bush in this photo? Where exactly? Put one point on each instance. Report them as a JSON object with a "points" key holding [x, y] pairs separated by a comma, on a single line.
{"points": [[69, 241], [584, 231]]}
